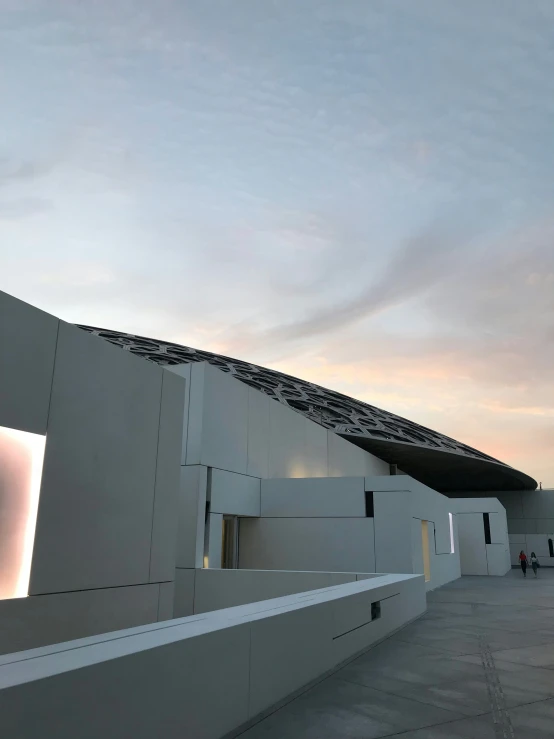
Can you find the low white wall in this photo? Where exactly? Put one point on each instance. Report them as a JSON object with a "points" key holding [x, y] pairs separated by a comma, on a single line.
{"points": [[203, 676], [210, 589]]}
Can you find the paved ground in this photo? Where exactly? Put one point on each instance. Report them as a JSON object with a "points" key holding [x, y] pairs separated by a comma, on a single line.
{"points": [[478, 665]]}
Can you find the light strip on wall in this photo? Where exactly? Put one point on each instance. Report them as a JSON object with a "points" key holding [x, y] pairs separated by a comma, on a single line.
{"points": [[451, 518], [21, 460]]}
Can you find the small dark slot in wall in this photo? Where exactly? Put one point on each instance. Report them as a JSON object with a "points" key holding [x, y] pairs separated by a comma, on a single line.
{"points": [[551, 547], [487, 525], [369, 504], [375, 610]]}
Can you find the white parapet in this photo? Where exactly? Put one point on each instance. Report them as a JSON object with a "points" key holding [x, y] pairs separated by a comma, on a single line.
{"points": [[203, 676]]}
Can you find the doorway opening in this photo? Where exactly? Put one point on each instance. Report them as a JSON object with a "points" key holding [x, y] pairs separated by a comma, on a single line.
{"points": [[230, 543], [425, 548]]}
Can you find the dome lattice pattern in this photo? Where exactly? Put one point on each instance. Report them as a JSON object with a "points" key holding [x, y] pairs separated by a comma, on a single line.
{"points": [[330, 409]]}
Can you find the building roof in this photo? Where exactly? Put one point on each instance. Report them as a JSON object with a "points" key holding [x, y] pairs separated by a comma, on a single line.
{"points": [[436, 460]]}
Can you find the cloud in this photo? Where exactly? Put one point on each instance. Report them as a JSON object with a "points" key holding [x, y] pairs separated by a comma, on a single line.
{"points": [[412, 271], [336, 189], [24, 207]]}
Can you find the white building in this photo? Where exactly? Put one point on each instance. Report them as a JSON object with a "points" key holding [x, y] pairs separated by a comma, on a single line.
{"points": [[140, 489]]}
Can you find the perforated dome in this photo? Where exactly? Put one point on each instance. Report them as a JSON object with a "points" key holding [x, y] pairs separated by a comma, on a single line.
{"points": [[435, 459]]}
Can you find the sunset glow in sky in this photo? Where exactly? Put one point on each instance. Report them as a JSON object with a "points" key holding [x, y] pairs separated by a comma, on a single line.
{"points": [[356, 193]]}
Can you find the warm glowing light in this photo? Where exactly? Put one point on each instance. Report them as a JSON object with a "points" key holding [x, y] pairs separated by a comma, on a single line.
{"points": [[425, 549], [206, 562], [451, 518], [21, 459]]}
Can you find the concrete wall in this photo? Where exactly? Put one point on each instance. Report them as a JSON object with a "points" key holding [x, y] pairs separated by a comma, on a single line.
{"points": [[476, 556], [213, 589], [401, 504], [322, 544], [108, 494], [339, 497], [233, 427], [237, 436], [530, 515], [234, 494], [320, 524], [168, 678]]}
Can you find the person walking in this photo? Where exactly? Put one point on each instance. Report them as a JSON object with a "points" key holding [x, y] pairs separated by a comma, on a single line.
{"points": [[523, 562], [534, 563]]}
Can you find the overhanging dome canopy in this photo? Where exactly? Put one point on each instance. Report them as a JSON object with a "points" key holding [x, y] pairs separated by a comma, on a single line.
{"points": [[432, 458]]}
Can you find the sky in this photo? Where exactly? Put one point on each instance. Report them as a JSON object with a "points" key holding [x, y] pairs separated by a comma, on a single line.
{"points": [[356, 193]]}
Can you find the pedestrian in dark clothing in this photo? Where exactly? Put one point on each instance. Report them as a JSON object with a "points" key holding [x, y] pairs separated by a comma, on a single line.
{"points": [[523, 562], [534, 563]]}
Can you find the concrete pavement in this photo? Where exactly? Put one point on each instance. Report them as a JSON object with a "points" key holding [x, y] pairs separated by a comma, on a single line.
{"points": [[478, 665]]}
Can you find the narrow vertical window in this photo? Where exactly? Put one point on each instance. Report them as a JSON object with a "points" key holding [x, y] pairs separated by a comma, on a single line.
{"points": [[487, 526], [451, 521], [369, 504]]}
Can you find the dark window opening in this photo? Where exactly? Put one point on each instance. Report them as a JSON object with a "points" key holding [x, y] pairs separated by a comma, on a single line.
{"points": [[551, 547], [487, 525], [369, 505], [376, 610]]}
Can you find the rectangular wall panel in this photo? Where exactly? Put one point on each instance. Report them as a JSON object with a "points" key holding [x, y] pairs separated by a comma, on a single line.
{"points": [[471, 532], [234, 494], [224, 422], [393, 534], [316, 450], [320, 544], [184, 592], [184, 371], [166, 600], [498, 528], [258, 433], [168, 471], [195, 419], [287, 442], [215, 540], [315, 497], [49, 619], [537, 543], [95, 513], [347, 460], [192, 512], [498, 559], [28, 345]]}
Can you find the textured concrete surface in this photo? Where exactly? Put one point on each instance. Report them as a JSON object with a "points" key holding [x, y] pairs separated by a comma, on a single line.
{"points": [[479, 665]]}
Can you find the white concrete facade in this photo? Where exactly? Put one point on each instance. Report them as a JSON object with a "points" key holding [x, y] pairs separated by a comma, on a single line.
{"points": [[324, 525], [166, 493], [103, 555], [530, 521], [484, 545], [149, 472]]}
